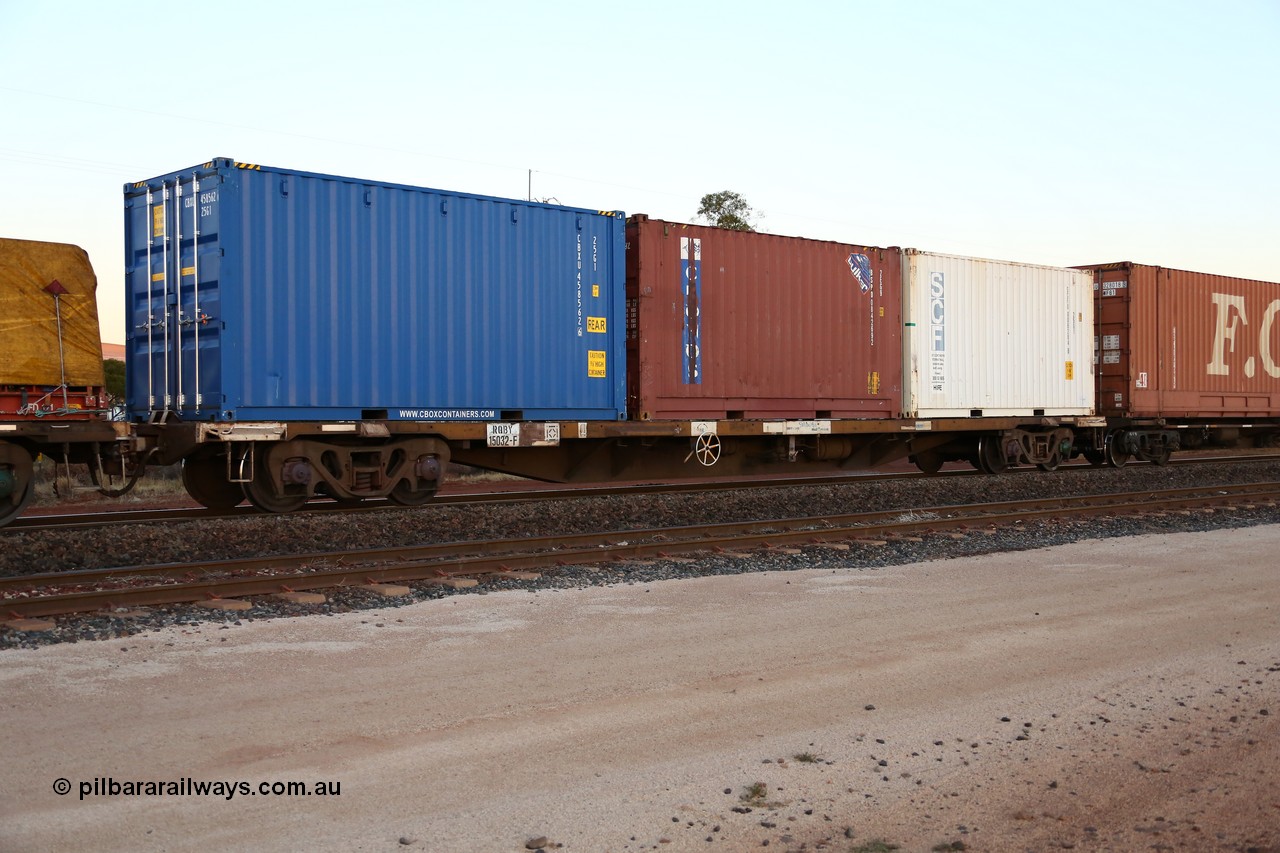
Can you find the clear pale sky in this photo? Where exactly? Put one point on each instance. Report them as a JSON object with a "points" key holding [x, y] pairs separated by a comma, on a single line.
{"points": [[1047, 132]]}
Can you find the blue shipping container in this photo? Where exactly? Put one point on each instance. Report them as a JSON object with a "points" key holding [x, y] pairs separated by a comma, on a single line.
{"points": [[258, 293]]}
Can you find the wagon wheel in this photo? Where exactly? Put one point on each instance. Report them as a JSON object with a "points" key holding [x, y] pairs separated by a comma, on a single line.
{"points": [[991, 458], [928, 461], [205, 478], [261, 493], [707, 449], [1160, 457], [1115, 458], [1052, 465], [17, 482], [342, 501], [11, 507], [404, 494]]}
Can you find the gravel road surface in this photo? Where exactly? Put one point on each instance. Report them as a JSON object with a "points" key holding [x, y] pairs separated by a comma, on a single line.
{"points": [[1117, 694]]}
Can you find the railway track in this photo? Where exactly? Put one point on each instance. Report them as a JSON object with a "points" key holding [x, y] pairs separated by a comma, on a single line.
{"points": [[463, 563], [100, 517]]}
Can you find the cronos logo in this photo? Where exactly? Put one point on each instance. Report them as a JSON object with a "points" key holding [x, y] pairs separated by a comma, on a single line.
{"points": [[1231, 321]]}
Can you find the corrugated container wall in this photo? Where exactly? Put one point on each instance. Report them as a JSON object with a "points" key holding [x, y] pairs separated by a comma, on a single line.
{"points": [[308, 297], [736, 324], [1183, 344], [995, 339]]}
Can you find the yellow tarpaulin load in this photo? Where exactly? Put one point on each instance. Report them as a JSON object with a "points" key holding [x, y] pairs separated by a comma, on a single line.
{"points": [[29, 318]]}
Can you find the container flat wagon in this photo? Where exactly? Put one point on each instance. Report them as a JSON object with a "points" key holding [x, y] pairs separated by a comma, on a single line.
{"points": [[52, 399], [994, 339], [294, 334], [300, 328], [1185, 359]]}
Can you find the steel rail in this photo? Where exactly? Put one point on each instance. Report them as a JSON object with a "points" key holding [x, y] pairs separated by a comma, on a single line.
{"points": [[64, 593], [112, 517], [104, 518]]}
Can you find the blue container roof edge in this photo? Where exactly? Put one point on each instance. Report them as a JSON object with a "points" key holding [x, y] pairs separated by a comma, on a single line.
{"points": [[219, 163]]}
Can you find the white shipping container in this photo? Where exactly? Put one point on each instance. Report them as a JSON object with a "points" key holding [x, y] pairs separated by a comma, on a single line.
{"points": [[987, 338]]}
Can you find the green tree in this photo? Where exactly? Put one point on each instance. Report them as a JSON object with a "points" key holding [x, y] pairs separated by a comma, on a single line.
{"points": [[113, 370], [727, 209]]}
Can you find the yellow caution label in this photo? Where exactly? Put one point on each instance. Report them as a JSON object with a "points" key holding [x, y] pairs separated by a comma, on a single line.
{"points": [[873, 383], [596, 324], [157, 222], [1071, 370], [157, 276], [595, 291], [188, 270], [595, 363]]}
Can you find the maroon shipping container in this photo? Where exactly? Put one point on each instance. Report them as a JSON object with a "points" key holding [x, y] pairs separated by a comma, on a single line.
{"points": [[1177, 344], [736, 324]]}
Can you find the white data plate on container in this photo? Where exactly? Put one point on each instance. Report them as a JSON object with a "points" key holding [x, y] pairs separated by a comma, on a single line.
{"points": [[502, 435], [523, 435], [798, 428]]}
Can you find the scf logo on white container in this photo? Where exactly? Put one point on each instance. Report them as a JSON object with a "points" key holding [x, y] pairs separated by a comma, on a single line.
{"points": [[937, 313]]}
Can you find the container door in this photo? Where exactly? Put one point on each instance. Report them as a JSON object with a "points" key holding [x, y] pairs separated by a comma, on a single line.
{"points": [[173, 270], [1112, 345]]}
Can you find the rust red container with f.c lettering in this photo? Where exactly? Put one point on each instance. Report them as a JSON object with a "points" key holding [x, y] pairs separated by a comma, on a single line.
{"points": [[1178, 344], [738, 324]]}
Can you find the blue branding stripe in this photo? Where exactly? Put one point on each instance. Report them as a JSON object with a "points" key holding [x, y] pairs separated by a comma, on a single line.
{"points": [[860, 266], [691, 284]]}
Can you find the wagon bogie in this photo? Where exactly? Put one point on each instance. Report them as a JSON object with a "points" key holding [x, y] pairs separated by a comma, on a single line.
{"points": [[281, 476]]}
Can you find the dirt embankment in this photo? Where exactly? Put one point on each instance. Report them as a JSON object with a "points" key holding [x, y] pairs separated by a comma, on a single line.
{"points": [[1106, 695]]}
